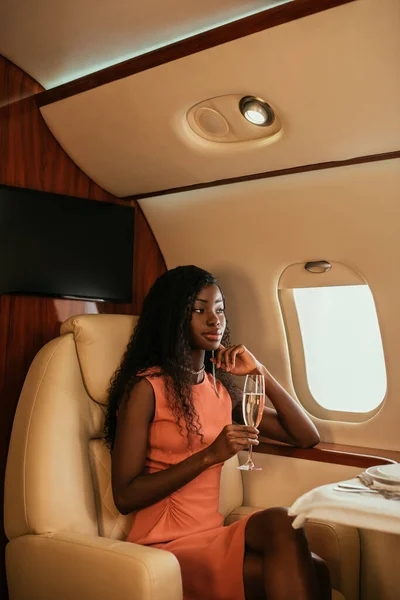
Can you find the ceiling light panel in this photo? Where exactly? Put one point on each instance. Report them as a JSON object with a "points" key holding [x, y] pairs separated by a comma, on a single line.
{"points": [[220, 119], [323, 97]]}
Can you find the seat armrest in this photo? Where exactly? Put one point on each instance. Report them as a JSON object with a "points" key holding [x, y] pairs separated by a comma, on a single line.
{"points": [[71, 566], [338, 545]]}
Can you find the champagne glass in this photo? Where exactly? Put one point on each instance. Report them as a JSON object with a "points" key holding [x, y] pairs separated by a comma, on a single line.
{"points": [[252, 407]]}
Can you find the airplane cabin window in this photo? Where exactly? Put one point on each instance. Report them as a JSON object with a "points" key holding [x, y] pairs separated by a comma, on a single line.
{"points": [[334, 341], [342, 344]]}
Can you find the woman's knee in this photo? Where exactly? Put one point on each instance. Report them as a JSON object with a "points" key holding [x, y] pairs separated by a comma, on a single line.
{"points": [[276, 518], [267, 527]]}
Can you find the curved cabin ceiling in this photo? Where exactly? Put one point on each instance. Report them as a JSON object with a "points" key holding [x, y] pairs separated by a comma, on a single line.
{"points": [[58, 41], [333, 79]]}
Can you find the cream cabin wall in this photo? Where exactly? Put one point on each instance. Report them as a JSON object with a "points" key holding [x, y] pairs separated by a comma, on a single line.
{"points": [[248, 233]]}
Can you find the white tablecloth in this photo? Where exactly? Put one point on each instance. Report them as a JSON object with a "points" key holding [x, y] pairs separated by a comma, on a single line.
{"points": [[361, 510]]}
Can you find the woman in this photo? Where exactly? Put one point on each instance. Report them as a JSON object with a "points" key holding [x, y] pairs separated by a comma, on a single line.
{"points": [[169, 427]]}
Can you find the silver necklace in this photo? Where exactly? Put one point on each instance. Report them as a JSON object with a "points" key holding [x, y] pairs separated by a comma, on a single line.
{"points": [[194, 372]]}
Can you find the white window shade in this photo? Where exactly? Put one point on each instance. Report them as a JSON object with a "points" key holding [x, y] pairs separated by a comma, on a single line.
{"points": [[342, 346]]}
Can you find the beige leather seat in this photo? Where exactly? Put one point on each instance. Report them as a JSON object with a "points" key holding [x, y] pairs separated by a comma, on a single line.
{"points": [[64, 530]]}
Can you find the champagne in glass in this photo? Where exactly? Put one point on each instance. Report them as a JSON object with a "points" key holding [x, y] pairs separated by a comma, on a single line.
{"points": [[253, 408]]}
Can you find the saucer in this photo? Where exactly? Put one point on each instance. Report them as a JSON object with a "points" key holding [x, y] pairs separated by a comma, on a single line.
{"points": [[390, 471], [376, 474]]}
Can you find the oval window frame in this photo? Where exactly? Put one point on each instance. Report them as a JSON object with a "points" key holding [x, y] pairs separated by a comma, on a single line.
{"points": [[296, 276]]}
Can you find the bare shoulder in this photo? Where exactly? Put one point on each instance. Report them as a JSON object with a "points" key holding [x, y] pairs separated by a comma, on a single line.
{"points": [[139, 405], [143, 387]]}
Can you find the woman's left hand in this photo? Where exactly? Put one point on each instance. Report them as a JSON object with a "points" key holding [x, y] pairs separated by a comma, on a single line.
{"points": [[236, 360]]}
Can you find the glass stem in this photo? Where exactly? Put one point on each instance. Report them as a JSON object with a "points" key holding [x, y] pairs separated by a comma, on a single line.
{"points": [[250, 458]]}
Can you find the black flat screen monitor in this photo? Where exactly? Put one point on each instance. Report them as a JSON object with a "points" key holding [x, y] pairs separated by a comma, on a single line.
{"points": [[66, 247]]}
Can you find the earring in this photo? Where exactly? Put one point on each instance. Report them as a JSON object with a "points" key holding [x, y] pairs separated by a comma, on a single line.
{"points": [[213, 370]]}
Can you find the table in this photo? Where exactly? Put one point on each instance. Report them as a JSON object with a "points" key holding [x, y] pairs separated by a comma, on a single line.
{"points": [[364, 511]]}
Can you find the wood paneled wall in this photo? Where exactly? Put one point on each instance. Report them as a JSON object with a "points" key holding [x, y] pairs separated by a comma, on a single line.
{"points": [[30, 157]]}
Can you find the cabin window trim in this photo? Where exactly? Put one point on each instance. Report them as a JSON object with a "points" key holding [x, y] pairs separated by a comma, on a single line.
{"points": [[295, 276]]}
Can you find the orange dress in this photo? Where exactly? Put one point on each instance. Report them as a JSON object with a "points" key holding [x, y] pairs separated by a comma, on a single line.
{"points": [[187, 523]]}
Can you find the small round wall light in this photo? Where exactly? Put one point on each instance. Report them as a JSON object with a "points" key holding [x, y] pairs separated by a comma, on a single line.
{"points": [[256, 111]]}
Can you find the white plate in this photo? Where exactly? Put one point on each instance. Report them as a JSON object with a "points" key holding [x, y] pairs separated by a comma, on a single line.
{"points": [[390, 471], [378, 476]]}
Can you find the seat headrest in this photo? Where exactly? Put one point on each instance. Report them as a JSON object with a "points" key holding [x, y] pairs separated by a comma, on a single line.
{"points": [[101, 341]]}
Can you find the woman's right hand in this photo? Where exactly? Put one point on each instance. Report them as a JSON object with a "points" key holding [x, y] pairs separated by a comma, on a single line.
{"points": [[232, 439]]}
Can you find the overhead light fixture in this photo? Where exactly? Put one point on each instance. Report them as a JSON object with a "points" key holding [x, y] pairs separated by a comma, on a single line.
{"points": [[256, 111], [218, 120]]}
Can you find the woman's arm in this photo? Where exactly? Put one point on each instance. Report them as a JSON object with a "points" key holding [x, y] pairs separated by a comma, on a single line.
{"points": [[286, 422], [134, 489]]}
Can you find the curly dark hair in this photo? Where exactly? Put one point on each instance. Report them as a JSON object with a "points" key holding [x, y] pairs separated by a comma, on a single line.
{"points": [[161, 339]]}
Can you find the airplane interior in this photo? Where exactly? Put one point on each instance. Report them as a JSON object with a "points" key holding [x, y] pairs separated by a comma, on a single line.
{"points": [[260, 141]]}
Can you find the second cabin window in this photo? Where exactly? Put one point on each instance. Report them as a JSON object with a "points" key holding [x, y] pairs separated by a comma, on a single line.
{"points": [[334, 340]]}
